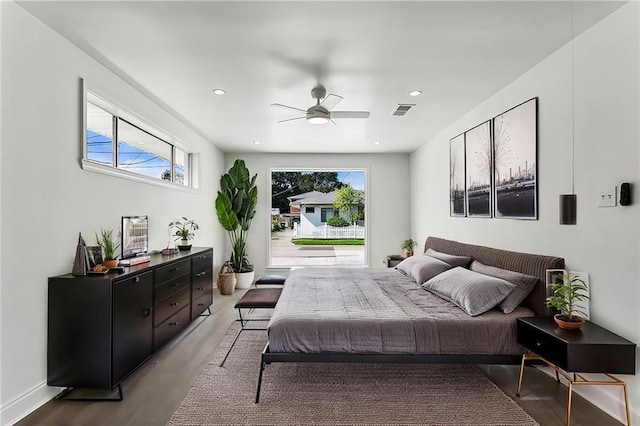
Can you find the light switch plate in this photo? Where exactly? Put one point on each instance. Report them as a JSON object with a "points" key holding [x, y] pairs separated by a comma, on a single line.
{"points": [[607, 197]]}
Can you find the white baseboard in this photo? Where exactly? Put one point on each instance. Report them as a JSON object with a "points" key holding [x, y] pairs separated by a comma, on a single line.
{"points": [[22, 405], [609, 399]]}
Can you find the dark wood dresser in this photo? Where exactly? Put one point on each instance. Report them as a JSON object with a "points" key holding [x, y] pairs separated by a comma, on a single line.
{"points": [[102, 327]]}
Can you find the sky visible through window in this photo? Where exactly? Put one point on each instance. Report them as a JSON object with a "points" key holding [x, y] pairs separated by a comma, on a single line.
{"points": [[100, 150], [353, 178]]}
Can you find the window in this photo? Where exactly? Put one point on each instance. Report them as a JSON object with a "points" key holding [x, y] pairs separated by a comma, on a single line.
{"points": [[99, 135], [117, 140], [326, 213], [302, 201]]}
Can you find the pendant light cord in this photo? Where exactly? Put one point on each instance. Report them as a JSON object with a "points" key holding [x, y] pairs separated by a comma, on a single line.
{"points": [[573, 129]]}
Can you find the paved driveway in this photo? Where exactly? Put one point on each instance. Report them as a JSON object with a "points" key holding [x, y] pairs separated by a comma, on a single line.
{"points": [[285, 253]]}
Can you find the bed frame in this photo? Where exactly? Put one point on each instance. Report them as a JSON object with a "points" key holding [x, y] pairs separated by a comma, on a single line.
{"points": [[530, 264]]}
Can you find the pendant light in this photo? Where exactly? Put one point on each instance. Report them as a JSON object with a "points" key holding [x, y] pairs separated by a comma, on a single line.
{"points": [[568, 202]]}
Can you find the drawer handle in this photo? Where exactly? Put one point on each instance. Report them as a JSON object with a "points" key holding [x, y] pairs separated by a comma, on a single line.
{"points": [[146, 312], [137, 279], [174, 269], [173, 285], [173, 324], [173, 304], [200, 288], [539, 344], [200, 304], [201, 274]]}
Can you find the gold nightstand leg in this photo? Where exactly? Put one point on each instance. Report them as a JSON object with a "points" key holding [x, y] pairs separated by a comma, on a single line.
{"points": [[569, 402], [524, 358], [626, 403]]}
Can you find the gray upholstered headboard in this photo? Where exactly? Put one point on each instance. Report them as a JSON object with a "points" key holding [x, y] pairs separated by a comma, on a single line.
{"points": [[530, 264]]}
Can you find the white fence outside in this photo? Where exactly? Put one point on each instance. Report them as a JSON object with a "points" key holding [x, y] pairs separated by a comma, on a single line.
{"points": [[326, 231]]}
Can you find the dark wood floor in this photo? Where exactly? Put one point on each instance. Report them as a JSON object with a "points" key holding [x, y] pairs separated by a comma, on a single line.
{"points": [[154, 391]]}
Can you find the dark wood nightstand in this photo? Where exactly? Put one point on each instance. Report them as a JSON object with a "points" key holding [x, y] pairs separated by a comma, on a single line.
{"points": [[592, 349], [394, 259]]}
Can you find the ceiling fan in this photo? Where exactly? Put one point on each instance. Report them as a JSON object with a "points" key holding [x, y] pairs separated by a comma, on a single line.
{"points": [[321, 112]]}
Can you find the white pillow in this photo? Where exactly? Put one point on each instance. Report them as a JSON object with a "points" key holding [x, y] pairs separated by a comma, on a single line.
{"points": [[471, 291]]}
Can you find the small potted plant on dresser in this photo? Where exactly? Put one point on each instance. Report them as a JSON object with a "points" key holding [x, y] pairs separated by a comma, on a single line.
{"points": [[184, 231], [407, 246], [564, 297], [109, 248]]}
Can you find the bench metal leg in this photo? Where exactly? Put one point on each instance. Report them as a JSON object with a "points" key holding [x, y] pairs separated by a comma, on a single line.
{"points": [[231, 347], [259, 382]]}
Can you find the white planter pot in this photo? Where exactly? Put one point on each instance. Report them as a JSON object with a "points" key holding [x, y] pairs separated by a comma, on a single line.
{"points": [[244, 279]]}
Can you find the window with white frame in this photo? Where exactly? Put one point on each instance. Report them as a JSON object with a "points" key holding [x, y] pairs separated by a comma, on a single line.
{"points": [[118, 141]]}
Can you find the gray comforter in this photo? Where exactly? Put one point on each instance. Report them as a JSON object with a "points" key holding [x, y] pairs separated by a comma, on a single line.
{"points": [[381, 311]]}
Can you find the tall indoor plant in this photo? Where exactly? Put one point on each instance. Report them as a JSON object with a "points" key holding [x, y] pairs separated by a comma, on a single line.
{"points": [[236, 207]]}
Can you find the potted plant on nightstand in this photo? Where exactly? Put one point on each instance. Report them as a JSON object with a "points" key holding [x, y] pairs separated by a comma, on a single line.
{"points": [[236, 206], [407, 246], [109, 248], [564, 297], [184, 231]]}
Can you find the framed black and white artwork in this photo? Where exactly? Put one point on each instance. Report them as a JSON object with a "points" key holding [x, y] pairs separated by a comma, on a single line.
{"points": [[456, 176], [515, 162], [478, 170]]}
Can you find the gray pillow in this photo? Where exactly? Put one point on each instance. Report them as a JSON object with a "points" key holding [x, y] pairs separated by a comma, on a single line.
{"points": [[472, 292], [524, 284], [422, 268], [449, 258]]}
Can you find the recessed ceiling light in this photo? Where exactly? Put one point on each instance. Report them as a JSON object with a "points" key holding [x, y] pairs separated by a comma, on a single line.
{"points": [[219, 91], [256, 142], [415, 93], [376, 143]]}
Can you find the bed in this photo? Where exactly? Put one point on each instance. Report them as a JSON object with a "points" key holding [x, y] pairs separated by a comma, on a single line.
{"points": [[385, 315]]}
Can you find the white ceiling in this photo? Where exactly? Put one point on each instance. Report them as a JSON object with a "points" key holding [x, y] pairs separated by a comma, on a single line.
{"points": [[371, 53]]}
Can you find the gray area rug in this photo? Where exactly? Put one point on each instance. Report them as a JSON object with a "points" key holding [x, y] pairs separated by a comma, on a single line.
{"points": [[340, 394]]}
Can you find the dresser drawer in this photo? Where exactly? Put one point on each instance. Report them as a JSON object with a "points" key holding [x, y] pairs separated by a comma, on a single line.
{"points": [[166, 273], [170, 287], [201, 304], [202, 262], [141, 279], [536, 340], [165, 331], [203, 283], [171, 305]]}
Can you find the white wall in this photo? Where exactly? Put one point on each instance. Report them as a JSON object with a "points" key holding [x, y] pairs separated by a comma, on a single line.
{"points": [[387, 198], [606, 241], [47, 198]]}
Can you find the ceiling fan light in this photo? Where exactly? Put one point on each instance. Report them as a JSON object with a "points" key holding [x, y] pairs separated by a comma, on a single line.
{"points": [[317, 119], [317, 115]]}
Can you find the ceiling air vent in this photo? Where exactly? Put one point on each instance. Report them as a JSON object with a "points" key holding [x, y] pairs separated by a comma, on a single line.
{"points": [[402, 109]]}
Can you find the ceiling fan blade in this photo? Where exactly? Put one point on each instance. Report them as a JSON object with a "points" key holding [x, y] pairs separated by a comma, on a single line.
{"points": [[289, 107], [349, 114], [330, 101], [290, 119]]}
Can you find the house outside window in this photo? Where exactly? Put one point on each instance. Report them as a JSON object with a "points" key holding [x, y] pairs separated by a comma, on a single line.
{"points": [[317, 225]]}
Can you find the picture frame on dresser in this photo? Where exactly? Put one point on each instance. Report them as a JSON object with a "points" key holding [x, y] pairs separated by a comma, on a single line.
{"points": [[554, 276], [515, 165]]}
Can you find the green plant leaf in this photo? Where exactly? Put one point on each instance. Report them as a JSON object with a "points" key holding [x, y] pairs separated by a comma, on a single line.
{"points": [[226, 216]]}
